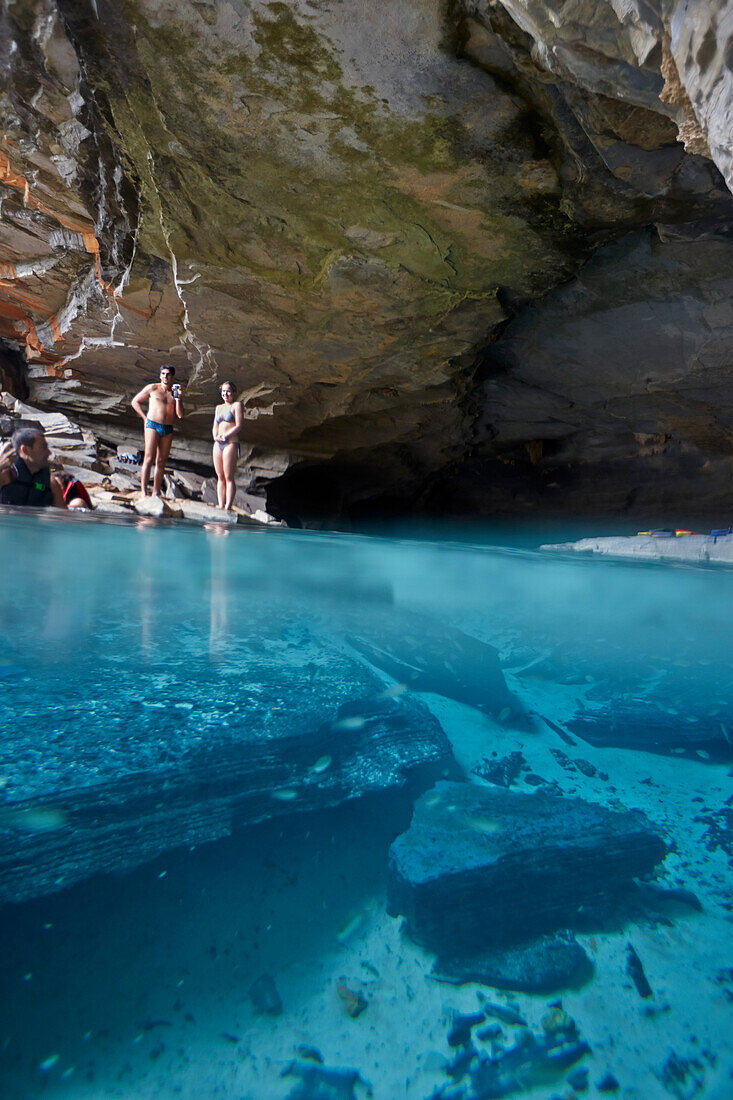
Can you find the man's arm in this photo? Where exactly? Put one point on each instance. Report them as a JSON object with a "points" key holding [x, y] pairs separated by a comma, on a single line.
{"points": [[138, 400], [7, 458]]}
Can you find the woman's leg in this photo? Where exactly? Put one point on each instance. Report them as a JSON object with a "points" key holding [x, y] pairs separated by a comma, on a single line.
{"points": [[230, 456], [220, 482]]}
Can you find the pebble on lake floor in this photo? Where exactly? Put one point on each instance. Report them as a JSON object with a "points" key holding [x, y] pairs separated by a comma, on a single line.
{"points": [[352, 1001], [265, 997]]}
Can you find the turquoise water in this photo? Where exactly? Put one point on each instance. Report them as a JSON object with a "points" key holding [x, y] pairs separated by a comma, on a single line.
{"points": [[145, 895]]}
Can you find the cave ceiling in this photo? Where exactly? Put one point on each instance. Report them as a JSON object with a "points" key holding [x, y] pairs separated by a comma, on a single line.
{"points": [[463, 254]]}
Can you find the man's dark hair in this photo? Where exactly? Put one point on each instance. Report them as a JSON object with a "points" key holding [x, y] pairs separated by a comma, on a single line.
{"points": [[167, 366], [25, 437]]}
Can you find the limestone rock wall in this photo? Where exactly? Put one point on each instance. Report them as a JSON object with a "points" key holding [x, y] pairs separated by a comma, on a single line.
{"points": [[357, 215]]}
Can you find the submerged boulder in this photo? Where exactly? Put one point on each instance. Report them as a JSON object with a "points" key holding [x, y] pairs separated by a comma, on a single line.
{"points": [[481, 867], [431, 656], [649, 727], [543, 965]]}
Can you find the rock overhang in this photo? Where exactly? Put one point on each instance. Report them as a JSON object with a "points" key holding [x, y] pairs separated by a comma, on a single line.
{"points": [[338, 210]]}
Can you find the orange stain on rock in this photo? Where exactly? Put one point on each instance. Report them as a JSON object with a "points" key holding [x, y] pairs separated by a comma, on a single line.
{"points": [[20, 317]]}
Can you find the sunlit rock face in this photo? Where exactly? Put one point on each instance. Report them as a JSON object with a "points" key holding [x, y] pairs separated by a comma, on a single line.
{"points": [[363, 215]]}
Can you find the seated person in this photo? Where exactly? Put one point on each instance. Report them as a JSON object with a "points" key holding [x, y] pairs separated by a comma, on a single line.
{"points": [[75, 493], [25, 475]]}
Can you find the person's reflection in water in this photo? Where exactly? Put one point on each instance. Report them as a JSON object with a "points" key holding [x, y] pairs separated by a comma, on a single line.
{"points": [[219, 640], [146, 590]]}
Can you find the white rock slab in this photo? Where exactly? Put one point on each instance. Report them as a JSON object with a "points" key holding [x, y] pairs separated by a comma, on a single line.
{"points": [[698, 549]]}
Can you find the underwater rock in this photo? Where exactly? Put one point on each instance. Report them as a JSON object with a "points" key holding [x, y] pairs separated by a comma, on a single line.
{"points": [[352, 1001], [650, 728], [533, 1060], [157, 780], [719, 832], [635, 970], [265, 997], [578, 1079], [683, 1078], [505, 1013], [544, 965], [460, 1032], [482, 867], [429, 655], [503, 771], [318, 1082]]}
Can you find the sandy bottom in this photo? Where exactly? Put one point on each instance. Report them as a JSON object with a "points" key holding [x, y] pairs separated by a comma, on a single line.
{"points": [[137, 987]]}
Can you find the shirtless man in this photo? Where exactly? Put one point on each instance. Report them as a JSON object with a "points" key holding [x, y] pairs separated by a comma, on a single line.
{"points": [[164, 400]]}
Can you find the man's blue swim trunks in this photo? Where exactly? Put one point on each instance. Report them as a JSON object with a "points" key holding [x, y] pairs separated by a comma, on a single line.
{"points": [[161, 429]]}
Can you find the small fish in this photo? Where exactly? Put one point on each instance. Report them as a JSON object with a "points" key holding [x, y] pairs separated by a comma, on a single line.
{"points": [[355, 722], [285, 794], [392, 692], [229, 1037], [353, 923], [483, 824], [34, 819], [68, 1073], [321, 764], [48, 1063], [432, 799], [504, 714]]}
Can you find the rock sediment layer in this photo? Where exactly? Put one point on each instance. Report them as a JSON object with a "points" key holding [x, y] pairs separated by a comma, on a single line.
{"points": [[90, 809]]}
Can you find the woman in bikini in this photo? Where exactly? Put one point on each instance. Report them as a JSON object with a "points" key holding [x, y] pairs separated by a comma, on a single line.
{"points": [[225, 433]]}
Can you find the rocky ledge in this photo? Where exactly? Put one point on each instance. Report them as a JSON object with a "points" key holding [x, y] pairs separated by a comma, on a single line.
{"points": [[101, 800], [696, 549], [111, 474]]}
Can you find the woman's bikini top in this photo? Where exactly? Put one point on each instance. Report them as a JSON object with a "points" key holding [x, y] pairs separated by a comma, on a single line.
{"points": [[227, 416]]}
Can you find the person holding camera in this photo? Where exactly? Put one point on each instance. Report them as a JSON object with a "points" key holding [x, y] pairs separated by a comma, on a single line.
{"points": [[25, 473], [164, 402]]}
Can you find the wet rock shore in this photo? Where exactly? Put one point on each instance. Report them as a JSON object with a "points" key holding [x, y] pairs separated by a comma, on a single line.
{"points": [[111, 474]]}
